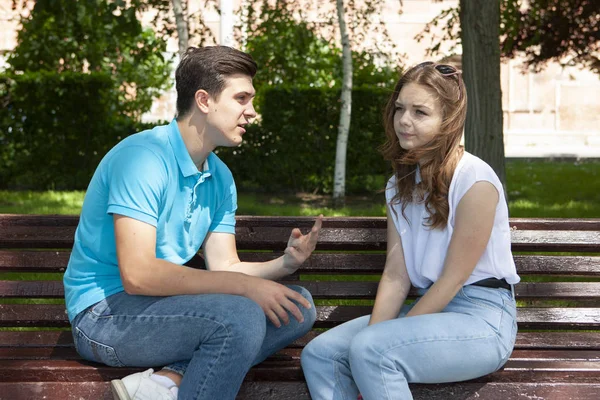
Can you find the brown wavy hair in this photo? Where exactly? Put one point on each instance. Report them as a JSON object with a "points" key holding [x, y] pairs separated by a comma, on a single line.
{"points": [[437, 159]]}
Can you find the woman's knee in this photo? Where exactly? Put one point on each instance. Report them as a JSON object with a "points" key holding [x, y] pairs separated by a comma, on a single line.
{"points": [[363, 347], [316, 349]]}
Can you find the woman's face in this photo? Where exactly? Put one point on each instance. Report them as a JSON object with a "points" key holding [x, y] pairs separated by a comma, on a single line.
{"points": [[418, 116]]}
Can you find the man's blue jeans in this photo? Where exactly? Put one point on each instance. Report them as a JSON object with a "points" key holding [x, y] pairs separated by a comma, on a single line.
{"points": [[210, 339], [473, 336]]}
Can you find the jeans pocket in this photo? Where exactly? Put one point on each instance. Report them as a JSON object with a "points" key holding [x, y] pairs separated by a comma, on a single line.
{"points": [[483, 297], [95, 351]]}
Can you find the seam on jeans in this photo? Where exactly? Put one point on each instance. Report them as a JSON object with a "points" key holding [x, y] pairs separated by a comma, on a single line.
{"points": [[506, 318], [336, 357], [385, 386], [448, 339], [211, 367], [383, 355]]}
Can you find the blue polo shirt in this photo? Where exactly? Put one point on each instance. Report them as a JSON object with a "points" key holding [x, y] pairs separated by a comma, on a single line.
{"points": [[150, 177]]}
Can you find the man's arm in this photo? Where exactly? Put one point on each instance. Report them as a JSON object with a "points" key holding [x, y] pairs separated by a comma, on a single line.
{"points": [[220, 253], [143, 273]]}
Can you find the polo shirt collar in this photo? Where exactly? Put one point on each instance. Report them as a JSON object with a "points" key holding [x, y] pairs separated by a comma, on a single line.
{"points": [[184, 160]]}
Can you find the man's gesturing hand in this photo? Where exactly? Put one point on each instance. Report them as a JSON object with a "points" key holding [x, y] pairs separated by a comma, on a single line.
{"points": [[300, 246], [276, 300]]}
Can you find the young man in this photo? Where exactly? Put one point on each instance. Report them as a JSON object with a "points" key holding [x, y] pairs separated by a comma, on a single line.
{"points": [[154, 200]]}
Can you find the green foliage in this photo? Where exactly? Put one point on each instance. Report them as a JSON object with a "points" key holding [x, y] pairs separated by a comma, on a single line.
{"points": [[552, 29], [300, 56], [293, 148], [288, 51], [95, 36], [80, 77], [199, 32], [56, 128], [541, 30]]}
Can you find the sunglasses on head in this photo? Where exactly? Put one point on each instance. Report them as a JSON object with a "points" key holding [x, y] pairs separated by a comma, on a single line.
{"points": [[444, 69]]}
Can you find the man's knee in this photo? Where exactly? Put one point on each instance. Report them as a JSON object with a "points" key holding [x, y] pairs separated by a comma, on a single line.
{"points": [[309, 314]]}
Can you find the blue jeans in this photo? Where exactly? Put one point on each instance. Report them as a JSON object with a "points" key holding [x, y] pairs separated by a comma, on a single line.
{"points": [[473, 336], [210, 339]]}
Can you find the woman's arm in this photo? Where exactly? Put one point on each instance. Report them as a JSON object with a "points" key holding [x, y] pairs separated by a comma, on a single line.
{"points": [[395, 283], [474, 221]]}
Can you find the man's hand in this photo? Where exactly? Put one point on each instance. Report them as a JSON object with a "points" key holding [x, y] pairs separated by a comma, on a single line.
{"points": [[276, 300], [300, 246]]}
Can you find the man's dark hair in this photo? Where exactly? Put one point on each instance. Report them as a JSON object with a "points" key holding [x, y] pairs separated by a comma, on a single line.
{"points": [[207, 68]]}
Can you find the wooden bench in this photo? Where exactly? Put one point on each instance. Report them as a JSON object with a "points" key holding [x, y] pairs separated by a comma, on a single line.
{"points": [[557, 355]]}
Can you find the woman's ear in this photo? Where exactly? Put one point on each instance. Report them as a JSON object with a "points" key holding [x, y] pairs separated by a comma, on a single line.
{"points": [[202, 99]]}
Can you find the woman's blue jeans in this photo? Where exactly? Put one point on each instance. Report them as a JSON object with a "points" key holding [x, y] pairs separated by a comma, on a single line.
{"points": [[210, 339], [473, 336]]}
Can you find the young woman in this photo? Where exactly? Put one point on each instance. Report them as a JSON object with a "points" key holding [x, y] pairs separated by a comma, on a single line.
{"points": [[448, 235]]}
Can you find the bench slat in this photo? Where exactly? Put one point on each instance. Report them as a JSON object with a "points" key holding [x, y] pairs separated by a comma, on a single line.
{"points": [[527, 318], [56, 261], [274, 238], [579, 224], [529, 355], [54, 315], [588, 291], [555, 241], [74, 371], [525, 340]]}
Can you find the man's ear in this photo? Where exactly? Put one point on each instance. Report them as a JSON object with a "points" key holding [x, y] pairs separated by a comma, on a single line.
{"points": [[202, 99]]}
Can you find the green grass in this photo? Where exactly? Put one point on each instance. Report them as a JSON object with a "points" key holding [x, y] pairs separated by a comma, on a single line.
{"points": [[552, 189], [49, 202]]}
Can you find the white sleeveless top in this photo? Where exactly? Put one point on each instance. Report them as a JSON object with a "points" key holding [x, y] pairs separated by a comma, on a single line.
{"points": [[425, 248]]}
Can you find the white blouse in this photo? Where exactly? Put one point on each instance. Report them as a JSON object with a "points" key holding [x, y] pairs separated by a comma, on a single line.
{"points": [[425, 248]]}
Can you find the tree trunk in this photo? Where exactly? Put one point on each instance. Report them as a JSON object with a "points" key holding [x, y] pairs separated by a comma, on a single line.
{"points": [[226, 25], [480, 36], [339, 179], [182, 26]]}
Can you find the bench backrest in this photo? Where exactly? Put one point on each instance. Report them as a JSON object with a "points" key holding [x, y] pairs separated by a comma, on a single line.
{"points": [[559, 291]]}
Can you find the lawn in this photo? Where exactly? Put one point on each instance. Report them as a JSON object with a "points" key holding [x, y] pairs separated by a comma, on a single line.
{"points": [[538, 188]]}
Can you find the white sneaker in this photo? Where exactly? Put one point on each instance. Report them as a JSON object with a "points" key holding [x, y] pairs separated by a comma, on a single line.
{"points": [[140, 387]]}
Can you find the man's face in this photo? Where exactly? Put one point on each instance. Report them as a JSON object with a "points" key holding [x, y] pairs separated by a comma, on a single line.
{"points": [[232, 111]]}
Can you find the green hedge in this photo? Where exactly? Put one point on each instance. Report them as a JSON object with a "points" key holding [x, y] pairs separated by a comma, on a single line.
{"points": [[293, 147], [55, 128]]}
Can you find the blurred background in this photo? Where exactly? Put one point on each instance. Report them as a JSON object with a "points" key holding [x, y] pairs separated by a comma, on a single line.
{"points": [[77, 77]]}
